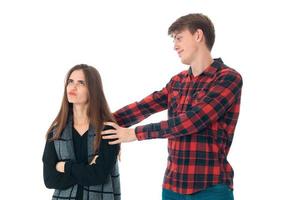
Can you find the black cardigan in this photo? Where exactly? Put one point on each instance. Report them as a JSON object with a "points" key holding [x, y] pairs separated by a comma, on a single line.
{"points": [[79, 172]]}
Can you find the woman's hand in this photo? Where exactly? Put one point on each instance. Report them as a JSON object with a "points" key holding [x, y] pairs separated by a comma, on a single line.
{"points": [[60, 166], [94, 160]]}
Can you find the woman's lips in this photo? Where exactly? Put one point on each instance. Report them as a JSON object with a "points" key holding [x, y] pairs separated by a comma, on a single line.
{"points": [[72, 93]]}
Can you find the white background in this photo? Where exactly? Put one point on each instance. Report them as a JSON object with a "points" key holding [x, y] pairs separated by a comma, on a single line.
{"points": [[127, 42]]}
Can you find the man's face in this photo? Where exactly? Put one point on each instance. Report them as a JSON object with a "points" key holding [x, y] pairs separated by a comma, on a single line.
{"points": [[186, 45]]}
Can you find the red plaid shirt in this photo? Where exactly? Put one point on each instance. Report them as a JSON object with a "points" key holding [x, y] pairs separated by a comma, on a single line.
{"points": [[202, 115]]}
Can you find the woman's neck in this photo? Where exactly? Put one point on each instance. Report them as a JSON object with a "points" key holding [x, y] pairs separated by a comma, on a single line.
{"points": [[80, 115]]}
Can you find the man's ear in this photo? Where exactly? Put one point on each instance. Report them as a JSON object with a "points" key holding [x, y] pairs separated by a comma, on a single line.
{"points": [[199, 35]]}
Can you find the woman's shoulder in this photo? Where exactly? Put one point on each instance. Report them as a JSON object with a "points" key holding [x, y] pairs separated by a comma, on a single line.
{"points": [[105, 143], [51, 132], [107, 127], [50, 135]]}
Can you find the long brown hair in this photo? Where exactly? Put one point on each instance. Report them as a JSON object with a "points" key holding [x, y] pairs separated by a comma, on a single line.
{"points": [[98, 109]]}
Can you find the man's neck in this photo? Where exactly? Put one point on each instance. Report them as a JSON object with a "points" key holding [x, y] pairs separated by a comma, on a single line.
{"points": [[201, 62]]}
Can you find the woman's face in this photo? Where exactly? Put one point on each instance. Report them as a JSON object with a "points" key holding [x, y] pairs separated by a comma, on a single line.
{"points": [[77, 91]]}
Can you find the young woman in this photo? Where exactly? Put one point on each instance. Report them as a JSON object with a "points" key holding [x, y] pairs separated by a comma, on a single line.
{"points": [[78, 164]]}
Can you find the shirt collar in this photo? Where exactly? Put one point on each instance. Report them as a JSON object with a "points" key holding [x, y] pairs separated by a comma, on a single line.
{"points": [[210, 70]]}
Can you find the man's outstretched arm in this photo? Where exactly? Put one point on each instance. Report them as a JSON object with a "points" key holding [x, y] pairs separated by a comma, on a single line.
{"points": [[138, 111], [225, 91]]}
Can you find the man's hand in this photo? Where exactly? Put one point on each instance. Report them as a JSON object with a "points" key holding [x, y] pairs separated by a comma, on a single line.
{"points": [[119, 133], [60, 166]]}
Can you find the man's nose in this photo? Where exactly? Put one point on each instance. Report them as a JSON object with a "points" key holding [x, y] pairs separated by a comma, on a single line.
{"points": [[175, 46]]}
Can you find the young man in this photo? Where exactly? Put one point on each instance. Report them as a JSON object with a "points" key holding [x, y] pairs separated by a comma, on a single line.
{"points": [[203, 105]]}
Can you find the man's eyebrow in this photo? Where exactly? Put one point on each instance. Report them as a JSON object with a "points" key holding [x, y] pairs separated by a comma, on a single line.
{"points": [[174, 35]]}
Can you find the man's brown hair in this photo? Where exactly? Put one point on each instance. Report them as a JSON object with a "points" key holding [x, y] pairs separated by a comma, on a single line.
{"points": [[192, 22]]}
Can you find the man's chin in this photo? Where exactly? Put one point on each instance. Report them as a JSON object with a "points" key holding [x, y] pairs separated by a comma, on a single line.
{"points": [[185, 62]]}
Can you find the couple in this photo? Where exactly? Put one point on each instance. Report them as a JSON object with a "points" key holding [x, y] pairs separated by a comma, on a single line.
{"points": [[83, 142]]}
